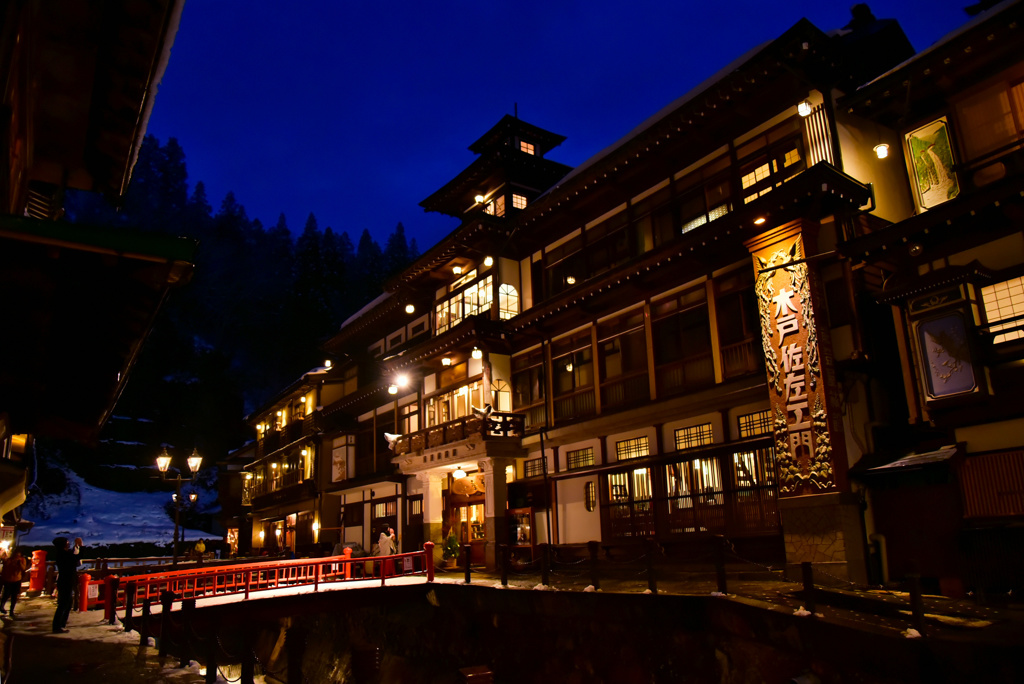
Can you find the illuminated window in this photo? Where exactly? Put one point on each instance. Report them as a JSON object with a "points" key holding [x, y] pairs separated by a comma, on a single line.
{"points": [[693, 436], [1005, 301], [791, 157], [526, 147], [519, 201], [632, 448], [508, 302], [448, 406], [759, 423], [502, 395], [533, 468], [475, 299], [580, 458], [496, 207], [590, 496], [760, 173]]}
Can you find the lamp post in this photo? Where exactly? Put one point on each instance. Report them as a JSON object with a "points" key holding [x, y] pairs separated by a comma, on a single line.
{"points": [[163, 462]]}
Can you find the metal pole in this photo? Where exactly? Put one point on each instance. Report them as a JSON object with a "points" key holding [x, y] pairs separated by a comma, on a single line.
{"points": [[177, 520]]}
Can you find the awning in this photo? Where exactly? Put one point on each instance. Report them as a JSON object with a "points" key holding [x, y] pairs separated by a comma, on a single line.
{"points": [[917, 460]]}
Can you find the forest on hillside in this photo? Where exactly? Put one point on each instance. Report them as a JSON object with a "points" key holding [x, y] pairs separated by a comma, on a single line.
{"points": [[261, 302]]}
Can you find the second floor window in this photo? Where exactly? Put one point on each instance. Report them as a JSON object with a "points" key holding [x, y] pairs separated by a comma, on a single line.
{"points": [[1005, 302], [682, 342], [508, 301], [771, 159], [454, 404], [991, 119], [473, 299], [759, 423]]}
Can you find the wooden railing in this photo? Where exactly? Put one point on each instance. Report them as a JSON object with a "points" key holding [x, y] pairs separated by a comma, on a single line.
{"points": [[497, 425], [246, 579]]}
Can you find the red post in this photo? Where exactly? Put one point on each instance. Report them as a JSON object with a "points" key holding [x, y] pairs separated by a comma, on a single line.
{"points": [[110, 583], [37, 575], [428, 559], [316, 575], [83, 591], [347, 552]]}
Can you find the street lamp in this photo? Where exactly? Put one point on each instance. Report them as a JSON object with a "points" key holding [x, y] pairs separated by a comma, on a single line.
{"points": [[163, 462]]}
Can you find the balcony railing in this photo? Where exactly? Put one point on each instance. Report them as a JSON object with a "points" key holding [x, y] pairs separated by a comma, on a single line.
{"points": [[272, 440], [688, 374], [497, 425], [625, 391], [742, 358], [580, 404]]}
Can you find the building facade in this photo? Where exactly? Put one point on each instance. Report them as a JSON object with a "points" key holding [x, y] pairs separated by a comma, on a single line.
{"points": [[720, 326]]}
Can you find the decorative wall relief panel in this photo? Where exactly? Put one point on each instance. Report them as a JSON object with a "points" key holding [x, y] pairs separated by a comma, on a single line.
{"points": [[799, 364]]}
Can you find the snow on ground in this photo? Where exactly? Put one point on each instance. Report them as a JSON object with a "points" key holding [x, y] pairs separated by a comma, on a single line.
{"points": [[101, 516]]}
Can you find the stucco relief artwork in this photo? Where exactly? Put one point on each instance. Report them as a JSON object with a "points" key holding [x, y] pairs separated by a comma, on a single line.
{"points": [[790, 342]]}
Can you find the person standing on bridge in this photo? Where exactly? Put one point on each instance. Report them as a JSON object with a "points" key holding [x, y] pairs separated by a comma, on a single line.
{"points": [[387, 548], [67, 563]]}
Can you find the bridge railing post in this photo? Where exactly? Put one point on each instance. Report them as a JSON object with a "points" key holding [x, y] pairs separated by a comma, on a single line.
{"points": [[166, 602], [130, 590], [466, 549], [652, 580], [347, 552], [144, 627], [545, 564], [188, 610], [504, 553], [428, 559], [595, 577], [211, 654]]}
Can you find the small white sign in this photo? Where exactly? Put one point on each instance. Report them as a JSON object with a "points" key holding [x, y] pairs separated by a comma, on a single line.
{"points": [[407, 564], [93, 592]]}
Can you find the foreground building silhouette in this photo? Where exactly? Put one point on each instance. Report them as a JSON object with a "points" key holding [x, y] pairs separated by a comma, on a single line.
{"points": [[77, 301], [785, 310]]}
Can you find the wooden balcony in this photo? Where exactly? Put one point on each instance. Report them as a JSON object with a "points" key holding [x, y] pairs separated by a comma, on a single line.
{"points": [[276, 492], [497, 425], [273, 440]]}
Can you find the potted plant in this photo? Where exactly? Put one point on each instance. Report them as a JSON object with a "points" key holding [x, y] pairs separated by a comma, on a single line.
{"points": [[450, 550]]}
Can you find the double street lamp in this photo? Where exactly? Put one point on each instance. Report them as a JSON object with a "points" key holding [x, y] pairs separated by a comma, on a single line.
{"points": [[163, 463]]}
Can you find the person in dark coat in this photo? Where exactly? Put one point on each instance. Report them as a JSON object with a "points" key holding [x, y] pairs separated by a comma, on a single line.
{"points": [[12, 574], [67, 562]]}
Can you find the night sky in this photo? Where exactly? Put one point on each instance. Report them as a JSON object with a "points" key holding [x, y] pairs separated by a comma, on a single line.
{"points": [[357, 111]]}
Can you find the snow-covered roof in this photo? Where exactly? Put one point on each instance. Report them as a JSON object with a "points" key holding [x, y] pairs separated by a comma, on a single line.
{"points": [[949, 37], [366, 309]]}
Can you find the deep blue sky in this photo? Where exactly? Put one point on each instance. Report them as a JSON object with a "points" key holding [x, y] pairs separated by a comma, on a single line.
{"points": [[356, 111]]}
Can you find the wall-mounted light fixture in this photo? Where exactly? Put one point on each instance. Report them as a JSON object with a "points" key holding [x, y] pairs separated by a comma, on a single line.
{"points": [[488, 261], [446, 361], [302, 399], [479, 199], [410, 308], [882, 150], [759, 220], [570, 280], [477, 354], [457, 270], [459, 473], [804, 108], [304, 452], [327, 363], [392, 388]]}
